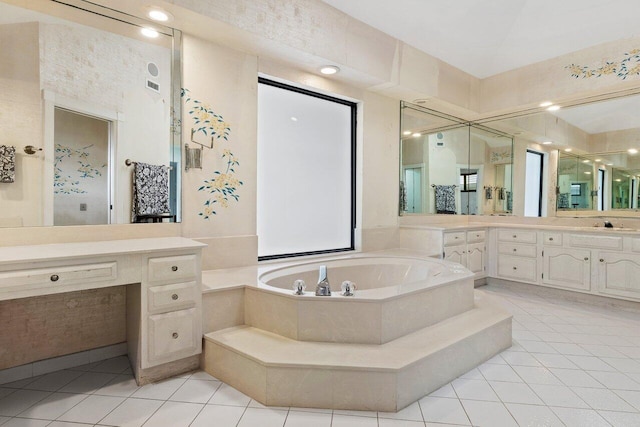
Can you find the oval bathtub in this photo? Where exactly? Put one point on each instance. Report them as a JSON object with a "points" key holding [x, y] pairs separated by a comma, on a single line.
{"points": [[395, 296]]}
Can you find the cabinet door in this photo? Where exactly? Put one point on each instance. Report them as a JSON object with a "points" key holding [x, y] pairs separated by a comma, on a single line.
{"points": [[476, 257], [567, 268], [618, 274], [456, 254], [173, 336]]}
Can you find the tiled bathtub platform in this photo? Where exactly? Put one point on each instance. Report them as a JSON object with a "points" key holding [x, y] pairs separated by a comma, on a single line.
{"points": [[280, 371]]}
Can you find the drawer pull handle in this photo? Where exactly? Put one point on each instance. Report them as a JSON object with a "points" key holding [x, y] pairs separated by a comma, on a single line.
{"points": [[174, 297], [54, 277], [174, 268], [456, 237], [175, 335], [551, 239], [586, 258], [515, 268], [515, 250], [514, 236], [601, 259]]}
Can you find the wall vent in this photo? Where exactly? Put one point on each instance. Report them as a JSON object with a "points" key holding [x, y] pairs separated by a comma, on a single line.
{"points": [[154, 86]]}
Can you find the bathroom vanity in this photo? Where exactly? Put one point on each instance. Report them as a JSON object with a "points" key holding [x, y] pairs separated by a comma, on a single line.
{"points": [[163, 292]]}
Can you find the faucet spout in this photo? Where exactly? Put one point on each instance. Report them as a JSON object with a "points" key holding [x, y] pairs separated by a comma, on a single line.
{"points": [[323, 288]]}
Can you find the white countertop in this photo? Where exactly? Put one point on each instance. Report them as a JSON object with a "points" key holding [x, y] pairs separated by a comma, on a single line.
{"points": [[479, 225], [58, 251]]}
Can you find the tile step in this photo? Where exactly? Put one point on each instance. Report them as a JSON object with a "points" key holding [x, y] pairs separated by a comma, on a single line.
{"points": [[283, 372]]}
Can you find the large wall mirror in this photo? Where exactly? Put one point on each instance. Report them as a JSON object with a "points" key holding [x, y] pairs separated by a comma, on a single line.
{"points": [[85, 99], [598, 166], [449, 166]]}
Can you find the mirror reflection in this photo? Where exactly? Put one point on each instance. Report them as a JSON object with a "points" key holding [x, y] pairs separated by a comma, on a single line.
{"points": [[452, 167], [82, 93]]}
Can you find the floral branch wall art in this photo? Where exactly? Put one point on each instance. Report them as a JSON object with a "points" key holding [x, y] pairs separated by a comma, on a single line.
{"points": [[68, 179], [627, 66], [222, 187]]}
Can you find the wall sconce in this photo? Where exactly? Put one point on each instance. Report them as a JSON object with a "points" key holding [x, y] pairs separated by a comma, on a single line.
{"points": [[193, 158]]}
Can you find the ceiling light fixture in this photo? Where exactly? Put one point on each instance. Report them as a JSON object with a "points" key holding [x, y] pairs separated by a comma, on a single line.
{"points": [[294, 119], [417, 134], [329, 69], [158, 15], [553, 108], [149, 32], [546, 104], [587, 173], [597, 160], [609, 164], [406, 132], [547, 142], [585, 161], [632, 151], [567, 149]]}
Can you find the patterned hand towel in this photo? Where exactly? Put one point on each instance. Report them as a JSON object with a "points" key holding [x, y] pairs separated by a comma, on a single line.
{"points": [[150, 189], [445, 199], [7, 163]]}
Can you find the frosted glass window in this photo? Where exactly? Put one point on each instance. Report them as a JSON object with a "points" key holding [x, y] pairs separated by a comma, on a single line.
{"points": [[306, 170]]}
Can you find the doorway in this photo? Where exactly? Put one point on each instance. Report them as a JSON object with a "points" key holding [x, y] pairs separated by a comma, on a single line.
{"points": [[533, 183], [81, 181], [413, 178]]}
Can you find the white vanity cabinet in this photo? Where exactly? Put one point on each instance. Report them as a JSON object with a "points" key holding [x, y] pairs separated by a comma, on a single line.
{"points": [[173, 309], [163, 294], [517, 255], [466, 247]]}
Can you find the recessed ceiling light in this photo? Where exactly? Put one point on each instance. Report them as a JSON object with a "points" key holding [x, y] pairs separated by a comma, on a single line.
{"points": [[585, 161], [547, 142], [546, 104], [587, 173], [149, 32], [618, 180], [597, 160], [567, 149], [329, 69], [609, 164], [294, 119], [406, 132], [417, 134], [632, 151], [553, 108], [158, 15]]}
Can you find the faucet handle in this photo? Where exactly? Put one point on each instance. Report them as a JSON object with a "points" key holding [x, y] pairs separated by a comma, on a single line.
{"points": [[348, 288], [322, 276], [299, 287]]}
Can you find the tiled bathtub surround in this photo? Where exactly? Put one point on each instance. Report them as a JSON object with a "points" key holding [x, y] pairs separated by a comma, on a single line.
{"points": [[571, 364]]}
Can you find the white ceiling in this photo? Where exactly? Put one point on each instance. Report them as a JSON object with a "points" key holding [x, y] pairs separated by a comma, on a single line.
{"points": [[487, 37]]}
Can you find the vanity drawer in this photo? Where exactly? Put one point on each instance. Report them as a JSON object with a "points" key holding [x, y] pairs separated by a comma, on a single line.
{"points": [[552, 238], [172, 297], [173, 268], [598, 242], [475, 236], [454, 238], [518, 236], [520, 268], [59, 276], [173, 336], [517, 249]]}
